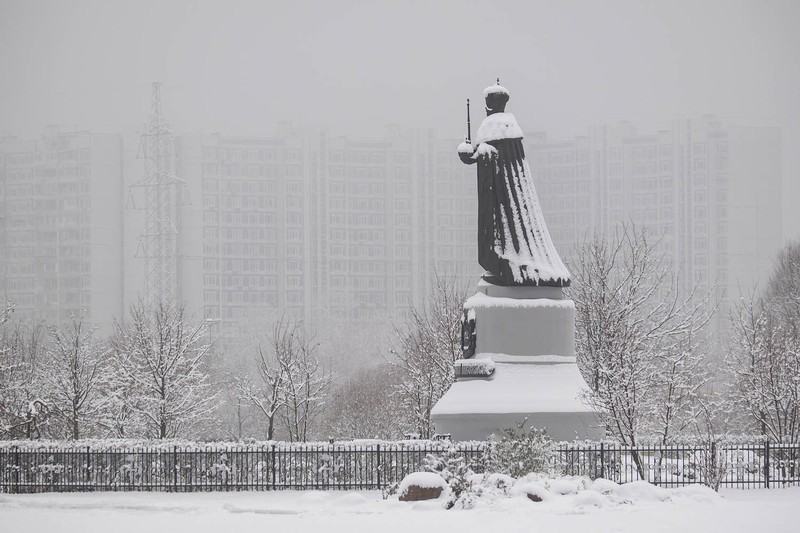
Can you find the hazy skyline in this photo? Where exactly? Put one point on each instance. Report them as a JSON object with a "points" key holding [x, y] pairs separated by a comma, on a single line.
{"points": [[240, 67]]}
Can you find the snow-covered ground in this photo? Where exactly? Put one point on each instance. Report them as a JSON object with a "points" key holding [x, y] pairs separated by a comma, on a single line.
{"points": [[684, 510]]}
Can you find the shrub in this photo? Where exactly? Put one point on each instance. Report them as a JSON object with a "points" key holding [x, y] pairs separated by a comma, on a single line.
{"points": [[522, 451]]}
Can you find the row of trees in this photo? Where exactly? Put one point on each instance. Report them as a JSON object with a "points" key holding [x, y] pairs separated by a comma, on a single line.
{"points": [[148, 380], [645, 349], [158, 376], [648, 345], [390, 396]]}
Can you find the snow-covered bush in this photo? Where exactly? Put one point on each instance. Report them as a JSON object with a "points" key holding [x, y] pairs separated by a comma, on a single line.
{"points": [[522, 451], [453, 467]]}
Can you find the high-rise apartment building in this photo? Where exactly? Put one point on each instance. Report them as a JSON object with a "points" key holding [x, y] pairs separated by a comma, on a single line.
{"points": [[315, 225], [319, 225], [61, 226], [709, 192]]}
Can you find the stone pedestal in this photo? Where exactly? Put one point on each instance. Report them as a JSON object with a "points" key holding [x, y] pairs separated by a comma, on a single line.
{"points": [[524, 368]]}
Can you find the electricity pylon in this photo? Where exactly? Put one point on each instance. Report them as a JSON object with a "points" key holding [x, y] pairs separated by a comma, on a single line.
{"points": [[159, 241]]}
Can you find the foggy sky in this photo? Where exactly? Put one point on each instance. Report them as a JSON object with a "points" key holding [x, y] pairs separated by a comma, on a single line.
{"points": [[239, 67]]}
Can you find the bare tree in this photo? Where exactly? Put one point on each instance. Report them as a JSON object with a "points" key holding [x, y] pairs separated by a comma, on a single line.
{"points": [[765, 354], [75, 376], [362, 407], [162, 356], [237, 419], [429, 344], [290, 385], [306, 385], [639, 340], [267, 393]]}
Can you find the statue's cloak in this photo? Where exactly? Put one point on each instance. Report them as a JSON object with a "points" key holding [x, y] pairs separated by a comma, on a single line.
{"points": [[514, 245]]}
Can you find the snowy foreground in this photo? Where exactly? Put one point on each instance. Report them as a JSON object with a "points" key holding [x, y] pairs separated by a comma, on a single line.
{"points": [[637, 508]]}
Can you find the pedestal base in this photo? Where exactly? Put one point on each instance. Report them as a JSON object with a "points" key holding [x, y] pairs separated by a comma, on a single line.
{"points": [[524, 368], [545, 394]]}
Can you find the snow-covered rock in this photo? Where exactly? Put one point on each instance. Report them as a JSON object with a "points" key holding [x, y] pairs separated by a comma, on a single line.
{"points": [[535, 491], [421, 486]]}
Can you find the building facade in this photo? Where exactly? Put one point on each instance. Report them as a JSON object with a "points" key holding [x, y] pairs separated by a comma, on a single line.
{"points": [[61, 226], [320, 225], [324, 226], [708, 193]]}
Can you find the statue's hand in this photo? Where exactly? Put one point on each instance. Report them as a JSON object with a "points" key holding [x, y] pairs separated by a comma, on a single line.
{"points": [[485, 151]]}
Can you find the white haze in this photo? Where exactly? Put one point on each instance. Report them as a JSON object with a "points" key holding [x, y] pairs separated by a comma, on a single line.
{"points": [[240, 67]]}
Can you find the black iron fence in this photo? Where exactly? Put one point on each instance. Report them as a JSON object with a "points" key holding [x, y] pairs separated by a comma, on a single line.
{"points": [[217, 468], [26, 469], [765, 465]]}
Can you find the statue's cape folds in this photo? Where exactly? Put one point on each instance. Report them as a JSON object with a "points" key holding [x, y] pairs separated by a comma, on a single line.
{"points": [[514, 245]]}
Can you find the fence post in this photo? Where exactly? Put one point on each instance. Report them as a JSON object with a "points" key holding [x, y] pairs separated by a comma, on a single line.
{"points": [[714, 470], [602, 461], [378, 463], [15, 488], [88, 464], [274, 459], [175, 468], [766, 464]]}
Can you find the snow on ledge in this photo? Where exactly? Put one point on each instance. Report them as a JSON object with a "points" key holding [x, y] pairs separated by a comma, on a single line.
{"points": [[482, 300], [528, 359]]}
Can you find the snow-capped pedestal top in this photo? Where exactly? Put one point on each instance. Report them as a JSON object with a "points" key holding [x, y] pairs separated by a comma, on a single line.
{"points": [[495, 89], [518, 388], [498, 126]]}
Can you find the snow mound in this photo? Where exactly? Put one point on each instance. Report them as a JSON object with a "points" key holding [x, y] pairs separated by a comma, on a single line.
{"points": [[696, 493], [566, 486], [604, 486], [590, 498], [642, 491], [465, 148], [352, 498], [533, 489]]}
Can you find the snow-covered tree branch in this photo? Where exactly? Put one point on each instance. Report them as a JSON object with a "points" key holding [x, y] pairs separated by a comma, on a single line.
{"points": [[429, 343], [765, 354], [23, 413], [76, 380], [162, 354], [640, 341]]}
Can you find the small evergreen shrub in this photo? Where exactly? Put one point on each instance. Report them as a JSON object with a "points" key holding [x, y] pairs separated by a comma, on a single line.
{"points": [[522, 451]]}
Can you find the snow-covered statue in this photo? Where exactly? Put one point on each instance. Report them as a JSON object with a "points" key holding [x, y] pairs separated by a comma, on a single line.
{"points": [[518, 331], [514, 246]]}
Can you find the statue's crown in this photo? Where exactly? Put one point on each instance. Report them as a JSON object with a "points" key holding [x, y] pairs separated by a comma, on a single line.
{"points": [[496, 97]]}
